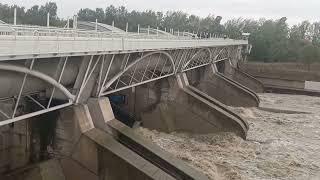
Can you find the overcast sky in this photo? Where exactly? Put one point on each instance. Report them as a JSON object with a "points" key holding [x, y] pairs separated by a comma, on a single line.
{"points": [[295, 10]]}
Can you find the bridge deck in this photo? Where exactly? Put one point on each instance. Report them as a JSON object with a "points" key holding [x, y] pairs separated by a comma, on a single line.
{"points": [[19, 42], [19, 47]]}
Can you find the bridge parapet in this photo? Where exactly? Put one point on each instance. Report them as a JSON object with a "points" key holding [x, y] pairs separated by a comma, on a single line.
{"points": [[22, 47], [26, 41]]}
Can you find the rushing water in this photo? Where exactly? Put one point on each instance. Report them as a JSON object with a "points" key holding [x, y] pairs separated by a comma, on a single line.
{"points": [[278, 146]]}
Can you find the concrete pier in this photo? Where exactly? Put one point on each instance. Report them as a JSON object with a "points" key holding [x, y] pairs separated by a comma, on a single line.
{"points": [[243, 78], [226, 90], [169, 165], [167, 106]]}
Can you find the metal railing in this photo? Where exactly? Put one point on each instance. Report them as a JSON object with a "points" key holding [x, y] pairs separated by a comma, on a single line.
{"points": [[29, 30], [32, 30], [21, 41]]}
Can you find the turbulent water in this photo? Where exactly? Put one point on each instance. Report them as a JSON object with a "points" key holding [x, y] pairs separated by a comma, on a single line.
{"points": [[278, 146]]}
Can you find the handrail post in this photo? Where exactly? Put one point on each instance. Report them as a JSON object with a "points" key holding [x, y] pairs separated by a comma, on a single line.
{"points": [[68, 23], [127, 27], [157, 31], [48, 19], [15, 16], [75, 22], [96, 28], [122, 41]]}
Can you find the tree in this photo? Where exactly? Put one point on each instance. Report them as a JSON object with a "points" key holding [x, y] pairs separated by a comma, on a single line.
{"points": [[176, 20], [234, 28], [316, 33], [310, 54], [193, 23], [87, 15], [110, 14], [100, 16]]}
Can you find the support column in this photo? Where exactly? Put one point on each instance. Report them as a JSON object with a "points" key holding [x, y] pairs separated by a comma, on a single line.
{"points": [[243, 78], [92, 153], [79, 154], [225, 89], [157, 161], [181, 108]]}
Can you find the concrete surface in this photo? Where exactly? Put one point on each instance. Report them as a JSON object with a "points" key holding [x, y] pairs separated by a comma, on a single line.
{"points": [[119, 163], [182, 110], [243, 78], [290, 75], [226, 91], [127, 137]]}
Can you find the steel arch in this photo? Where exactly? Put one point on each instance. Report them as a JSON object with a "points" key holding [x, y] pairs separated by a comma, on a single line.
{"points": [[198, 63], [117, 76], [222, 55], [39, 75]]}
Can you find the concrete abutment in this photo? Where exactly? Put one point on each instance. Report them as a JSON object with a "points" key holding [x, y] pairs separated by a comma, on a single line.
{"points": [[226, 90], [96, 149], [166, 106], [243, 78], [101, 147]]}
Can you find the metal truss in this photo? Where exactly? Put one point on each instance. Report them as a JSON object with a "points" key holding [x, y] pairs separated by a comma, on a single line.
{"points": [[201, 58], [15, 113], [88, 73], [149, 67], [222, 55]]}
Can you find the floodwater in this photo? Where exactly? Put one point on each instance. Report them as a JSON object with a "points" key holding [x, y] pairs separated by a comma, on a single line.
{"points": [[283, 145]]}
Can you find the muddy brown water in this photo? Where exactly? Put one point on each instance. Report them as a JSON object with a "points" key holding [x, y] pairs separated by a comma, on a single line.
{"points": [[278, 146]]}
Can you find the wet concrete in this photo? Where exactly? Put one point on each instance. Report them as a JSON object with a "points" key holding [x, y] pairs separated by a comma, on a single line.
{"points": [[279, 145]]}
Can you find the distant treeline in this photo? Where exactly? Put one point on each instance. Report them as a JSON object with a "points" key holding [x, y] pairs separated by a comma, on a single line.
{"points": [[272, 40]]}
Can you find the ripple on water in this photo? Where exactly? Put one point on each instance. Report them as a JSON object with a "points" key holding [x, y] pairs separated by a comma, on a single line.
{"points": [[278, 146]]}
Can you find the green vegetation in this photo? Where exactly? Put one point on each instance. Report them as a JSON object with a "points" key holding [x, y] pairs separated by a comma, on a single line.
{"points": [[272, 40]]}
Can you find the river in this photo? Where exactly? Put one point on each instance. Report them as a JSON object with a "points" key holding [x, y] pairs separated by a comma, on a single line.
{"points": [[280, 145]]}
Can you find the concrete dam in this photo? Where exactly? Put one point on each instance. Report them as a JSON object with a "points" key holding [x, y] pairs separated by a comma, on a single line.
{"points": [[72, 97]]}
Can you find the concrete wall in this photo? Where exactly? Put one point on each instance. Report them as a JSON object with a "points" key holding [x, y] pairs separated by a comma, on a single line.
{"points": [[26, 142], [84, 152], [161, 105], [97, 152], [14, 146], [222, 88], [243, 78], [291, 75], [284, 83], [311, 85], [165, 106]]}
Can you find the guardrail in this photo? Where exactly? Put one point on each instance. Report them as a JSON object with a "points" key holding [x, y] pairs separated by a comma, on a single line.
{"points": [[24, 30], [19, 45], [28, 41]]}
